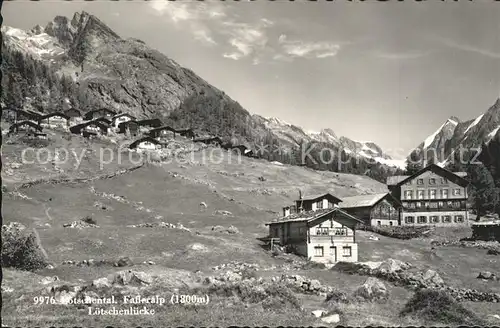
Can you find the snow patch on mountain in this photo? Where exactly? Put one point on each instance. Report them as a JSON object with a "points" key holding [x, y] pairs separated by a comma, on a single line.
{"points": [[493, 133], [430, 139], [36, 43], [473, 124]]}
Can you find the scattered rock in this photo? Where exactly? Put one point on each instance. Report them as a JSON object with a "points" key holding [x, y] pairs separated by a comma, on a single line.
{"points": [[372, 237], [332, 318], [101, 283], [124, 261], [222, 212], [372, 289], [198, 247], [487, 275], [6, 289], [203, 204], [129, 277], [433, 277], [80, 225], [318, 313]]}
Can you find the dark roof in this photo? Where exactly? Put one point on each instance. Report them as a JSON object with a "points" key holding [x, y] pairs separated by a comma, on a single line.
{"points": [[123, 124], [77, 128], [212, 139], [439, 171], [310, 216], [28, 114], [102, 120], [155, 122], [22, 123], [161, 128], [138, 141], [316, 196], [366, 200], [61, 114], [73, 110], [122, 114], [90, 112]]}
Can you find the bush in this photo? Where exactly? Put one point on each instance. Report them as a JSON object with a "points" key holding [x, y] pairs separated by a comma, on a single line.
{"points": [[20, 250], [88, 219], [270, 296], [337, 297], [439, 307], [313, 265], [399, 232]]}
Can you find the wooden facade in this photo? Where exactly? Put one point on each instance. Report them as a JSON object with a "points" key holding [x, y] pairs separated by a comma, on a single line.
{"points": [[373, 209]]}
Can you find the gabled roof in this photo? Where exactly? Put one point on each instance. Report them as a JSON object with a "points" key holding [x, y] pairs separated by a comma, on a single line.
{"points": [[122, 114], [439, 171], [22, 123], [151, 122], [365, 200], [212, 139], [102, 120], [77, 128], [161, 128], [90, 112], [61, 114], [317, 196], [147, 139], [310, 216]]}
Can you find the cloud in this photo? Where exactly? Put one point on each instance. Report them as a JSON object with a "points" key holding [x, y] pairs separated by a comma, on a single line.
{"points": [[297, 48], [213, 24], [470, 48], [400, 55]]}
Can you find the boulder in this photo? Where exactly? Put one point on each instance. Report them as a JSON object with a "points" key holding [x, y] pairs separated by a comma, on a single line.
{"points": [[318, 313], [101, 283], [372, 289], [129, 277], [332, 318], [431, 276], [123, 262], [391, 266]]}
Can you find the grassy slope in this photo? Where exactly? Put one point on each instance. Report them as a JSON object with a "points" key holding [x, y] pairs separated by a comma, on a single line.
{"points": [[154, 191]]}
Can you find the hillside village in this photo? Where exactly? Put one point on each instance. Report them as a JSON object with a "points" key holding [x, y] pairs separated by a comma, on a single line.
{"points": [[254, 241]]}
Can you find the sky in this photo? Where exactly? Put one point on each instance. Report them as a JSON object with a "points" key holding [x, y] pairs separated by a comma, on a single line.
{"points": [[390, 72]]}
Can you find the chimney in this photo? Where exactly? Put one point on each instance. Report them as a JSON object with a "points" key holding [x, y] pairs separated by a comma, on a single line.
{"points": [[300, 194]]}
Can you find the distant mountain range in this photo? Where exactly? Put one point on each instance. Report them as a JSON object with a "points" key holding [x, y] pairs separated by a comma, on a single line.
{"points": [[442, 146]]}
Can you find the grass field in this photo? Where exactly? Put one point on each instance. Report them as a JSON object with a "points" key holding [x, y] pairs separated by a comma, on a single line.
{"points": [[252, 191]]}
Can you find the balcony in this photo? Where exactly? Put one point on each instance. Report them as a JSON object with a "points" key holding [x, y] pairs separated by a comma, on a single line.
{"points": [[330, 238]]}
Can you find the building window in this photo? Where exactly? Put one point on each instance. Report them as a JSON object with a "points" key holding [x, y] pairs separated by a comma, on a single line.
{"points": [[456, 192], [420, 181], [409, 219], [379, 223], [432, 194], [319, 205], [418, 204], [459, 218], [432, 181], [444, 181], [440, 204], [405, 204], [408, 194], [318, 251], [322, 231], [434, 219], [433, 205], [422, 219], [333, 250], [346, 251], [444, 193], [390, 223], [341, 232], [420, 194], [301, 231], [446, 219]]}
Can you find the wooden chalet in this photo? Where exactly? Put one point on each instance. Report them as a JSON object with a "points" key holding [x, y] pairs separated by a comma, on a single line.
{"points": [[150, 123], [214, 141], [121, 118], [93, 127], [55, 119], [242, 150], [27, 127], [75, 116], [162, 132], [187, 133], [374, 209], [102, 112], [146, 143], [130, 128], [325, 235], [486, 231]]}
